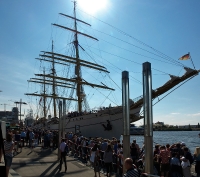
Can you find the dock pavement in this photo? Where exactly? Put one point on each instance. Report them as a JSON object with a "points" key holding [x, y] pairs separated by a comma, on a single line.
{"points": [[44, 162], [40, 162]]}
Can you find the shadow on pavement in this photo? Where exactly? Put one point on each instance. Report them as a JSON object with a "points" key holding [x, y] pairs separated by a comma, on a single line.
{"points": [[50, 167], [68, 173]]}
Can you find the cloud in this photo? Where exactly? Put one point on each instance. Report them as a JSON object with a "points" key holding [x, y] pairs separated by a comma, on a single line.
{"points": [[194, 115], [175, 113]]}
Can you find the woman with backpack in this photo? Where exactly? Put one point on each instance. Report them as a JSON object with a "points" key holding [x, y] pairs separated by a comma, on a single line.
{"points": [[108, 158]]}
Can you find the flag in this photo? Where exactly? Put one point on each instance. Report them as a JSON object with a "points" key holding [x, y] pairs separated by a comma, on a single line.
{"points": [[185, 57]]}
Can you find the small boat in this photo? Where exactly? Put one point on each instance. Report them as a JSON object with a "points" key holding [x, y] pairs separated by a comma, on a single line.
{"points": [[136, 130]]}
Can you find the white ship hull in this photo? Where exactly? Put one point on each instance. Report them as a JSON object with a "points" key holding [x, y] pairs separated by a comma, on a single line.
{"points": [[91, 124]]}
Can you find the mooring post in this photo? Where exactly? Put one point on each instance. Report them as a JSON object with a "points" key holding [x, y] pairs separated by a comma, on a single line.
{"points": [[59, 127], [64, 118], [126, 115], [148, 117]]}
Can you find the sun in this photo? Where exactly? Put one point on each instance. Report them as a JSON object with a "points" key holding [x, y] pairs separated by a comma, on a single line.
{"points": [[92, 6]]}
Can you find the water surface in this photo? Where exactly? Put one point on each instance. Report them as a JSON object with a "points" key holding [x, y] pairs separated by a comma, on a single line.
{"points": [[190, 138]]}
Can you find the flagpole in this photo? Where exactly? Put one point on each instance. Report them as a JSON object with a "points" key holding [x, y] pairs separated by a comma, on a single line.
{"points": [[191, 60]]}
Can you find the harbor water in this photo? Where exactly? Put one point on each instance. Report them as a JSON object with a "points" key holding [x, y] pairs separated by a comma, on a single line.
{"points": [[190, 138]]}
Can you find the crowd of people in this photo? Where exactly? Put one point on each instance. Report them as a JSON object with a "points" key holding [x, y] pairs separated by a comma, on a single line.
{"points": [[168, 160], [107, 155]]}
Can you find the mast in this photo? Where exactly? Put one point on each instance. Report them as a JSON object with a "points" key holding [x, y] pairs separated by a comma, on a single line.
{"points": [[53, 84], [77, 67], [60, 59], [44, 97]]}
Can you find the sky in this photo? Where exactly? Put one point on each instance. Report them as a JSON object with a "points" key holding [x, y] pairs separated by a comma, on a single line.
{"points": [[130, 33]]}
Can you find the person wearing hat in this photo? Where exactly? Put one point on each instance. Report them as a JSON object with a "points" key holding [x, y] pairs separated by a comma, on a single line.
{"points": [[185, 163], [197, 159]]}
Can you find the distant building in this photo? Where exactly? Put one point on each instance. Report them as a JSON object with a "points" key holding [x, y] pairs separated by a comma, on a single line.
{"points": [[29, 120], [10, 116], [158, 124], [188, 126]]}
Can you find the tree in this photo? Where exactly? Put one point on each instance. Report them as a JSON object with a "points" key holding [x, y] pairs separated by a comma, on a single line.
{"points": [[189, 126], [198, 126]]}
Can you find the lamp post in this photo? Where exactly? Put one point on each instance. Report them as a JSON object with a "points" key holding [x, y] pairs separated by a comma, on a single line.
{"points": [[126, 115], [148, 117], [20, 106]]}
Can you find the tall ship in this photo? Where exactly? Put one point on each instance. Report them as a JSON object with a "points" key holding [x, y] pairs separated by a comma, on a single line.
{"points": [[104, 122]]}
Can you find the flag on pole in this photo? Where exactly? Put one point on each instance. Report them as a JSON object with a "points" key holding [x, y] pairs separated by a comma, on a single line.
{"points": [[185, 57]]}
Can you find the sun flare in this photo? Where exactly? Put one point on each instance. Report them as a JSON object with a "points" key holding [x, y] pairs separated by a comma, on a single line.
{"points": [[92, 6]]}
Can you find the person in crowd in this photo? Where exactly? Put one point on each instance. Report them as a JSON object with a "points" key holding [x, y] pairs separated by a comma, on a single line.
{"points": [[8, 146], [168, 148], [115, 146], [17, 139], [121, 157], [36, 139], [45, 140], [54, 139], [177, 149], [104, 145], [156, 163], [185, 167], [131, 169], [63, 155], [27, 138], [89, 141], [39, 136], [49, 136], [175, 166], [137, 146], [94, 159], [84, 144], [23, 137], [134, 152], [197, 159], [164, 157], [31, 137], [119, 149], [156, 150], [108, 157]]}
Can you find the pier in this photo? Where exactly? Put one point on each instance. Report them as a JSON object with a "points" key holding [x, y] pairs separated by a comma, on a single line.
{"points": [[41, 162]]}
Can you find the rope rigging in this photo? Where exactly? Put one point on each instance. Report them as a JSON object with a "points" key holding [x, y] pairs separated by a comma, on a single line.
{"points": [[66, 71], [160, 99], [164, 56]]}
